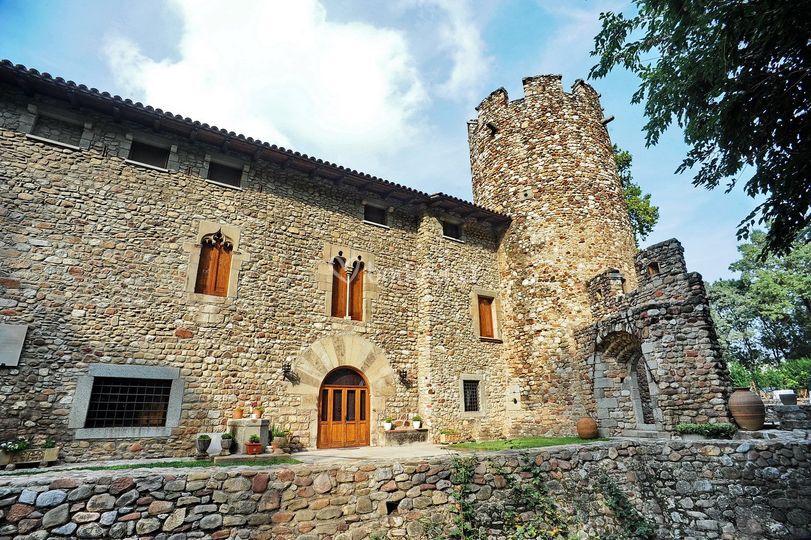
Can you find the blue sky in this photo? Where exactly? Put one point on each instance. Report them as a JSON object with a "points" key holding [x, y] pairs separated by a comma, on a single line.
{"points": [[383, 87]]}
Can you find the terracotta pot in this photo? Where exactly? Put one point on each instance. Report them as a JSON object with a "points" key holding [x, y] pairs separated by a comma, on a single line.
{"points": [[238, 413], [747, 409], [253, 449], [587, 428], [278, 442]]}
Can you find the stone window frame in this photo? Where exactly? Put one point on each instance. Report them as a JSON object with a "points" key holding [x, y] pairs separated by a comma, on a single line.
{"points": [[379, 205], [371, 290], [227, 161], [84, 387], [482, 380], [237, 258], [475, 293], [454, 221], [172, 163], [34, 111]]}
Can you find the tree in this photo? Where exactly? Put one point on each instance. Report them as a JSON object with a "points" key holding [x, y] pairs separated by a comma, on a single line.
{"points": [[734, 75], [764, 316], [642, 213]]}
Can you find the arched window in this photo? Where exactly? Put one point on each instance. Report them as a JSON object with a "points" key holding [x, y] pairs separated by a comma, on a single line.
{"points": [[214, 268], [339, 286], [356, 291]]}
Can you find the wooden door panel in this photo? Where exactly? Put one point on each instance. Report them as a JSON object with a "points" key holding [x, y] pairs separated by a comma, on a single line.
{"points": [[342, 417]]}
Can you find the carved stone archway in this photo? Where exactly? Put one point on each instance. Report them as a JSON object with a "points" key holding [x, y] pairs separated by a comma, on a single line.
{"points": [[328, 353]]}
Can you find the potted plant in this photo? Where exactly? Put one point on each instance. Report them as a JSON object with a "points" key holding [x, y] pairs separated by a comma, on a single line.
{"points": [[387, 423], [225, 442], [258, 411], [21, 450], [449, 436], [278, 439], [239, 412], [417, 419], [254, 445], [203, 442]]}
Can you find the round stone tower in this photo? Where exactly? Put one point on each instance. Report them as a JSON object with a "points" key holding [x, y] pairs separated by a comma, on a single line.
{"points": [[546, 160]]}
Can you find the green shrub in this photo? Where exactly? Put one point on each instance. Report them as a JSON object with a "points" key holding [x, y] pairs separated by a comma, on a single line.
{"points": [[417, 418], [716, 431], [388, 420], [277, 431], [226, 436], [739, 376], [49, 443], [15, 445], [255, 438], [203, 437]]}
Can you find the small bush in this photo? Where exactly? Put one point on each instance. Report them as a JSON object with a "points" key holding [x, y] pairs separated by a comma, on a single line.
{"points": [[226, 436], [203, 437], [417, 418], [16, 445], [277, 431], [716, 431], [388, 420], [255, 438]]}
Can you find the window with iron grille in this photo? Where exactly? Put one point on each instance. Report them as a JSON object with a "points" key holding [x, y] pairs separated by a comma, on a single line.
{"points": [[471, 397], [124, 402]]}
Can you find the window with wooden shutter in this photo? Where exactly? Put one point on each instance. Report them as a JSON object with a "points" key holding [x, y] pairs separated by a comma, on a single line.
{"points": [[356, 291], [486, 317], [214, 267], [339, 286]]}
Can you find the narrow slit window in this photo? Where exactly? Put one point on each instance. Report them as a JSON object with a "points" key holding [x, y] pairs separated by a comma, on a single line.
{"points": [[149, 154], [452, 230], [223, 174], [486, 317], [471, 396], [214, 267], [125, 402], [375, 214]]}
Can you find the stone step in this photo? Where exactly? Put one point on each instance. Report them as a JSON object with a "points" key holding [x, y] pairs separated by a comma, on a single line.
{"points": [[646, 434]]}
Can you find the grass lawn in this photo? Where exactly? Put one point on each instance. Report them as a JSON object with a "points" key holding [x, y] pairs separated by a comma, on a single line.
{"points": [[188, 464], [524, 442]]}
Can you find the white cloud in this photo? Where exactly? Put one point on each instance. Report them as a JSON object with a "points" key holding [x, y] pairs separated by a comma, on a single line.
{"points": [[283, 72], [459, 36]]}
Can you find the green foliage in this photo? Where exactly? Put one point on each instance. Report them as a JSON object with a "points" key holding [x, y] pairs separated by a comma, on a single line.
{"points": [[633, 523], [716, 431], [791, 374], [641, 212], [764, 316], [416, 418], [255, 438], [49, 443], [739, 376], [733, 75], [388, 420], [523, 442], [203, 437], [226, 436], [277, 431], [547, 521], [15, 445]]}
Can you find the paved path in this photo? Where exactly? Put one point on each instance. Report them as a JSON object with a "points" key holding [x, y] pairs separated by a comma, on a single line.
{"points": [[367, 453]]}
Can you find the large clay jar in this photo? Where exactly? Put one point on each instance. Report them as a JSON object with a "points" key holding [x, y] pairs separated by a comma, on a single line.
{"points": [[747, 409], [587, 428]]}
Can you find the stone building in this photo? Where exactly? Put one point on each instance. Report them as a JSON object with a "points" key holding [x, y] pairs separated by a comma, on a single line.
{"points": [[155, 272]]}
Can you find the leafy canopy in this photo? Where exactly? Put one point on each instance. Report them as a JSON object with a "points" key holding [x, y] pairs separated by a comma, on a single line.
{"points": [[764, 316], [641, 212], [734, 75]]}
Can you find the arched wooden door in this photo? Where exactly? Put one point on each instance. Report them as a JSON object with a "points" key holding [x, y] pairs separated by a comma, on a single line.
{"points": [[343, 409]]}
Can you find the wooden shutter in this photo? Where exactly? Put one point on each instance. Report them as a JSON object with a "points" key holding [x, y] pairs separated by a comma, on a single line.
{"points": [[486, 317], [338, 289], [223, 272], [356, 293], [206, 270]]}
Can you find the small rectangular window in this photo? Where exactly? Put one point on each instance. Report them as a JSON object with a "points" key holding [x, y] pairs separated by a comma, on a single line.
{"points": [[149, 154], [217, 172], [57, 130], [452, 230], [374, 214], [486, 317], [124, 402], [471, 397]]}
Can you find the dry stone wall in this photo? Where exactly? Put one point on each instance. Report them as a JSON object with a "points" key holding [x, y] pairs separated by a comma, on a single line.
{"points": [[711, 489]]}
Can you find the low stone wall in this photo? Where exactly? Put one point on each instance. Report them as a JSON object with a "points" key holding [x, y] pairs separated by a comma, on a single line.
{"points": [[790, 416], [711, 489]]}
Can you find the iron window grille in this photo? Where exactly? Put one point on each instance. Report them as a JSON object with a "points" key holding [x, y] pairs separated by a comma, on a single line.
{"points": [[471, 395], [122, 402]]}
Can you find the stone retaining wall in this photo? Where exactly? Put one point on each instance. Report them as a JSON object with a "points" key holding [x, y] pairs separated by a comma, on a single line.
{"points": [[790, 416], [716, 489]]}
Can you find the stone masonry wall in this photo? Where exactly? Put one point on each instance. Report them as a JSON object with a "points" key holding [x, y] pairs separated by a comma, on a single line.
{"points": [[546, 161], [711, 489], [95, 260], [665, 321]]}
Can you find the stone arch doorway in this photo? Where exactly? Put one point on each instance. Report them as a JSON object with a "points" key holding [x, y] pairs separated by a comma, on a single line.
{"points": [[315, 362], [625, 388], [343, 409]]}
